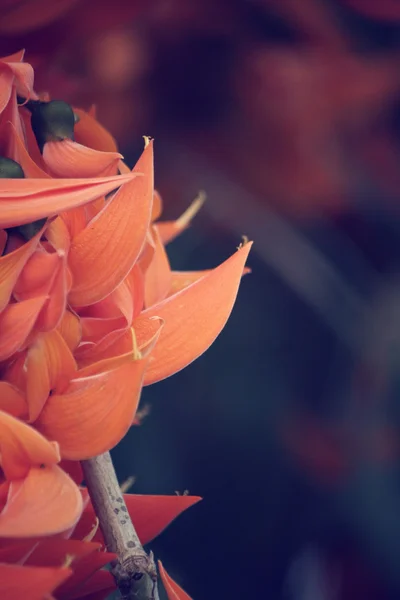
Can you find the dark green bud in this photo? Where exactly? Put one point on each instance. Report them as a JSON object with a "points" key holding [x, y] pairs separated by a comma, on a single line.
{"points": [[9, 169], [52, 121]]}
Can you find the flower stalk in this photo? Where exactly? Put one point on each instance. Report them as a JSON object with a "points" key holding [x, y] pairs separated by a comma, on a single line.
{"points": [[134, 571]]}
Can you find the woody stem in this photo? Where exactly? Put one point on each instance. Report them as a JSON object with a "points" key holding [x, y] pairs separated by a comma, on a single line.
{"points": [[134, 571]]}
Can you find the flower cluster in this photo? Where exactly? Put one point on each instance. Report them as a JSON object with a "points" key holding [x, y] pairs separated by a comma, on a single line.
{"points": [[90, 311]]}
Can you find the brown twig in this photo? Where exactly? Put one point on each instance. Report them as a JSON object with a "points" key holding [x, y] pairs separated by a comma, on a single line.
{"points": [[134, 571]]}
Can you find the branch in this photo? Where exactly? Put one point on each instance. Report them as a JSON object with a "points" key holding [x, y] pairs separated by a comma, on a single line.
{"points": [[134, 571]]}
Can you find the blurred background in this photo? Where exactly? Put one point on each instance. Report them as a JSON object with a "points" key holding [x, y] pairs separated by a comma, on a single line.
{"points": [[287, 113]]}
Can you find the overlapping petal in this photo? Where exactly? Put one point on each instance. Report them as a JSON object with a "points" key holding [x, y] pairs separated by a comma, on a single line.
{"points": [[95, 412], [103, 254], [11, 265], [22, 447], [34, 583], [16, 323], [193, 317], [70, 159], [50, 495], [173, 590], [26, 200]]}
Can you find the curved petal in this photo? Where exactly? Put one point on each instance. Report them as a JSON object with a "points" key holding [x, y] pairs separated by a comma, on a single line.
{"points": [[70, 329], [49, 367], [53, 552], [103, 254], [193, 317], [54, 308], [34, 583], [26, 200], [150, 515], [22, 447], [182, 279], [12, 401], [91, 133], [47, 493], [169, 230], [84, 569], [16, 323], [69, 159], [158, 275], [98, 587], [11, 265], [19, 153], [37, 275], [95, 412], [173, 590], [6, 81]]}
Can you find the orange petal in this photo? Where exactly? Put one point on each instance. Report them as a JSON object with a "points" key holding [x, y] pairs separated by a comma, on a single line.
{"points": [[35, 583], [157, 206], [70, 329], [19, 153], [11, 266], [69, 159], [150, 515], [182, 279], [22, 447], [84, 569], [103, 254], [169, 230], [58, 234], [174, 591], [193, 317], [37, 275], [49, 367], [90, 133], [95, 412], [16, 323], [26, 200], [6, 82], [47, 493], [158, 275], [98, 587], [54, 308], [12, 401], [52, 552]]}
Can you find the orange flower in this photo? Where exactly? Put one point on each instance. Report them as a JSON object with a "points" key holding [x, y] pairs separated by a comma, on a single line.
{"points": [[90, 311]]}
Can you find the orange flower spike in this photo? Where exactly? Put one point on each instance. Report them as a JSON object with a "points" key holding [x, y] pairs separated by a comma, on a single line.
{"points": [[16, 323], [94, 413], [49, 494], [26, 200], [193, 317], [169, 230], [158, 277], [66, 158], [35, 583], [98, 264], [173, 590], [11, 265], [22, 447], [49, 367]]}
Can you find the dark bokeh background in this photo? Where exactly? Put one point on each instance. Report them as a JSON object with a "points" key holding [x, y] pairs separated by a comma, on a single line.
{"points": [[288, 114]]}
